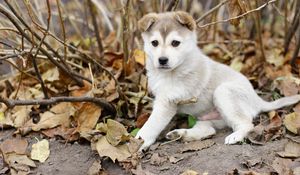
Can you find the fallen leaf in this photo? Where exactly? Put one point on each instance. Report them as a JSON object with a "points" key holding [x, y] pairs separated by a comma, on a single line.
{"points": [[189, 172], [256, 136], [134, 145], [252, 162], [157, 159], [141, 119], [291, 150], [292, 122], [297, 109], [87, 117], [40, 151], [20, 115], [134, 132], [191, 121], [282, 166], [95, 168], [174, 160], [58, 115], [197, 145], [119, 152], [275, 57], [15, 145], [116, 132], [288, 87], [19, 162], [68, 134], [237, 64], [139, 56]]}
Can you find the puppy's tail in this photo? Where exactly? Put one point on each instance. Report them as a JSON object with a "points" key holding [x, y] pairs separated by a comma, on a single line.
{"points": [[282, 102]]}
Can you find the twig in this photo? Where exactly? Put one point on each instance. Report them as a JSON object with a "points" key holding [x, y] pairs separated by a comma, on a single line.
{"points": [[63, 68], [125, 35], [96, 30], [53, 100], [173, 5], [75, 76], [62, 28], [37, 51], [211, 11], [239, 16], [11, 56], [293, 28]]}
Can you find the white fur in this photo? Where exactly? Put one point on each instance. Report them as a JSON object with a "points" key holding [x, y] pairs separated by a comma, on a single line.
{"points": [[193, 74]]}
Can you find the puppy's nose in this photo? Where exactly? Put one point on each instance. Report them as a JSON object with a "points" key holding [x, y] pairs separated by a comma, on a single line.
{"points": [[163, 60]]}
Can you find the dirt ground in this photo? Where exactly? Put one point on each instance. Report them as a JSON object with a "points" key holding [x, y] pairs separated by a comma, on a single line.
{"points": [[76, 159]]}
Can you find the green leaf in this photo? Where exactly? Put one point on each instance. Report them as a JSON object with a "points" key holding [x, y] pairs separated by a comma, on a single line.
{"points": [[134, 132], [191, 121]]}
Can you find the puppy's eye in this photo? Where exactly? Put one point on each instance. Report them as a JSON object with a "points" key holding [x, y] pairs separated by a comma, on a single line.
{"points": [[154, 43], [175, 43]]}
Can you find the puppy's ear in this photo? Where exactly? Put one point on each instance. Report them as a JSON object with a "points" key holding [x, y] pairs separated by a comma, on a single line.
{"points": [[145, 23], [186, 20]]}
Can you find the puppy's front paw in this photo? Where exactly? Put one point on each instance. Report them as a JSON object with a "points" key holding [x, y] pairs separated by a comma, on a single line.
{"points": [[235, 137], [176, 134]]}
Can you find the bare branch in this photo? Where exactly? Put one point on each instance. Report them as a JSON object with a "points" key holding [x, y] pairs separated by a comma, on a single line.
{"points": [[10, 103], [96, 30], [239, 16], [211, 11]]}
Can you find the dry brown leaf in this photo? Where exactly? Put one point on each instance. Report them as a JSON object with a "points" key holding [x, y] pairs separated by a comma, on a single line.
{"points": [[40, 151], [288, 87], [68, 134], [235, 8], [141, 119], [95, 168], [157, 159], [59, 115], [116, 132], [15, 145], [119, 152], [292, 122], [174, 160], [19, 162], [297, 109], [282, 166], [20, 115], [87, 117], [134, 145], [197, 145], [291, 150]]}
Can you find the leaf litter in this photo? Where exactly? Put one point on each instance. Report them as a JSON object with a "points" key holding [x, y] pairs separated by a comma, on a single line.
{"points": [[75, 121]]}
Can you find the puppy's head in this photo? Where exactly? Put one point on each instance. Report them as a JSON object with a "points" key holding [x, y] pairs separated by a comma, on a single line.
{"points": [[168, 38]]}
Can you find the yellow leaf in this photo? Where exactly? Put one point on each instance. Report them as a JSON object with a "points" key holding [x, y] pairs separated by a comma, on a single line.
{"points": [[292, 122], [2, 117], [139, 56], [40, 151]]}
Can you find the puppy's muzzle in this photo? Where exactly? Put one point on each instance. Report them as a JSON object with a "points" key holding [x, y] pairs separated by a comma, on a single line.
{"points": [[163, 61]]}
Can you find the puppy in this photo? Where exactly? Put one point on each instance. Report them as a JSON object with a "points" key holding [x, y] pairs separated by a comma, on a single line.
{"points": [[178, 71]]}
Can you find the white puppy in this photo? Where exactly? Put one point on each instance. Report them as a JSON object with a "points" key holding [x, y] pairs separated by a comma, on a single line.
{"points": [[178, 71]]}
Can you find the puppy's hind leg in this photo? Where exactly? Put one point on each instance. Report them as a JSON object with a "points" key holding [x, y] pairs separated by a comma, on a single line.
{"points": [[229, 99], [201, 130]]}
